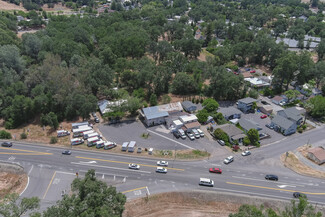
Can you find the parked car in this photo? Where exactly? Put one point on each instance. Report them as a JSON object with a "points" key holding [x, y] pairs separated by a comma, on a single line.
{"points": [[176, 134], [196, 133], [221, 142], [246, 153], [161, 170], [94, 114], [139, 150], [206, 182], [298, 194], [228, 160], [252, 71], [215, 170], [66, 152], [272, 177], [6, 144], [162, 163], [182, 133], [265, 103], [97, 120], [200, 132], [190, 135], [134, 166], [263, 116], [269, 126]]}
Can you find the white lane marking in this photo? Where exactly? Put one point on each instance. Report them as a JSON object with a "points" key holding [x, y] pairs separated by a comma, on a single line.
{"points": [[124, 180], [171, 139], [103, 177], [148, 191], [115, 168], [25, 187], [283, 186], [267, 181], [56, 181], [67, 173], [252, 193], [30, 169], [137, 192], [12, 158]]}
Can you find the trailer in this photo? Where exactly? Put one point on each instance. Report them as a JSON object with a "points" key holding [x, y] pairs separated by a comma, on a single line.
{"points": [[77, 141], [100, 144], [125, 146], [109, 145], [62, 133], [92, 141], [76, 125], [132, 146], [79, 132], [87, 136], [86, 133]]}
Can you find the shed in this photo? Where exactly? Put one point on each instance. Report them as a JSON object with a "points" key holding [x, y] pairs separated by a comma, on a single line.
{"points": [[188, 118], [189, 106], [317, 154], [177, 124]]}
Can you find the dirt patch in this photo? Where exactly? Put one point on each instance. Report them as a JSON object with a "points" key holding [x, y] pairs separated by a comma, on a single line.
{"points": [[57, 7], [6, 6], [20, 33], [293, 163], [177, 204], [12, 183], [204, 54]]}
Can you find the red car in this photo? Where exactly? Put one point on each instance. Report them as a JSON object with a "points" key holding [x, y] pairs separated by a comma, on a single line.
{"points": [[263, 116], [215, 170], [253, 71]]}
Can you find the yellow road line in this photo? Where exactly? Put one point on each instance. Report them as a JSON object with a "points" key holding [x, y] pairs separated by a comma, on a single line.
{"points": [[36, 153], [121, 162], [133, 189], [23, 150], [277, 189], [48, 187]]}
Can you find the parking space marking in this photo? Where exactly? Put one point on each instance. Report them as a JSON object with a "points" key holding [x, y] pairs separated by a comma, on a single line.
{"points": [[121, 162], [171, 139]]}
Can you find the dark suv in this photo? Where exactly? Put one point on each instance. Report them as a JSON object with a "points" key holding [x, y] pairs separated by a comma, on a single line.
{"points": [[176, 134], [6, 144], [272, 177]]}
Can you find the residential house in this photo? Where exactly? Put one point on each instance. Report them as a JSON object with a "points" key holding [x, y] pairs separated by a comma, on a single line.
{"points": [[317, 154], [266, 109], [249, 124], [246, 104], [292, 114], [311, 42], [157, 114], [233, 132], [257, 83], [189, 106], [230, 113], [107, 106], [283, 125], [279, 100], [307, 90]]}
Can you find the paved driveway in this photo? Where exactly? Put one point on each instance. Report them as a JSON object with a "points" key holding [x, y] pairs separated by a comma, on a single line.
{"points": [[159, 137]]}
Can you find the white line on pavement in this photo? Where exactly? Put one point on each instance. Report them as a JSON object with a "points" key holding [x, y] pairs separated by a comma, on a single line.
{"points": [[30, 169], [25, 187], [148, 191], [115, 168], [262, 180], [67, 173], [171, 139]]}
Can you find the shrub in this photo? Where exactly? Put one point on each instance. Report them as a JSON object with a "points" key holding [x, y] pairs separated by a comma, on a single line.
{"points": [[53, 140], [197, 101], [193, 100], [23, 136], [5, 135], [304, 127], [299, 130]]}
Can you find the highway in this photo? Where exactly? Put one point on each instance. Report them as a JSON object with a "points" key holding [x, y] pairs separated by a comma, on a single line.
{"points": [[51, 173]]}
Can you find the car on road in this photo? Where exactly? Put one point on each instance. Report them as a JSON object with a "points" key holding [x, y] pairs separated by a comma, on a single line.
{"points": [[66, 152], [246, 153], [269, 126], [200, 132], [176, 134], [263, 116], [298, 194], [228, 160], [221, 142], [190, 135], [6, 144], [139, 150], [206, 182], [215, 170], [134, 166], [271, 177], [161, 170], [162, 163]]}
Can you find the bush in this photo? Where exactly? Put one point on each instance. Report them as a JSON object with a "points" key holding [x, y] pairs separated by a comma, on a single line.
{"points": [[5, 135], [299, 130], [304, 127], [53, 140], [23, 136]]}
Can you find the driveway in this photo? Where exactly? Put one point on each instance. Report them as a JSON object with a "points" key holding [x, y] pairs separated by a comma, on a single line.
{"points": [[159, 137]]}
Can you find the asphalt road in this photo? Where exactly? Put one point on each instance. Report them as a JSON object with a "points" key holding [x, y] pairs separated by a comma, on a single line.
{"points": [[51, 173]]}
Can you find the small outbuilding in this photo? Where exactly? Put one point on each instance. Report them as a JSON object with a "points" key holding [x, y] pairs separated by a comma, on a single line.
{"points": [[317, 154], [189, 106]]}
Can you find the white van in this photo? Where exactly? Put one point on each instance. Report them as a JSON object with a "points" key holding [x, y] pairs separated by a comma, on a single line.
{"points": [[77, 141], [206, 182], [79, 132], [109, 145], [92, 141], [91, 135], [62, 133], [132, 146], [182, 133], [125, 146], [100, 144], [87, 132]]}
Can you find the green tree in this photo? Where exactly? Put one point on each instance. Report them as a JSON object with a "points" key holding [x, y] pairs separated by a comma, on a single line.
{"points": [[321, 50], [253, 93], [50, 119], [318, 108], [183, 84], [253, 137], [90, 197], [220, 134], [153, 99], [12, 207], [132, 105], [210, 105], [291, 94], [248, 211], [31, 45], [202, 116]]}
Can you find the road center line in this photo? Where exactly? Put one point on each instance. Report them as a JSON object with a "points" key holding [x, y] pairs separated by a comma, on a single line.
{"points": [[121, 162], [171, 139], [115, 168], [48, 187], [261, 180]]}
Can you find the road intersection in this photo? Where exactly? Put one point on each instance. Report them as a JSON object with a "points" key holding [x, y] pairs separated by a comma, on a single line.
{"points": [[51, 173]]}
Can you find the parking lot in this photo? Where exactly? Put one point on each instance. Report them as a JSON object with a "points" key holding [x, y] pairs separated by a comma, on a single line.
{"points": [[159, 137]]}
